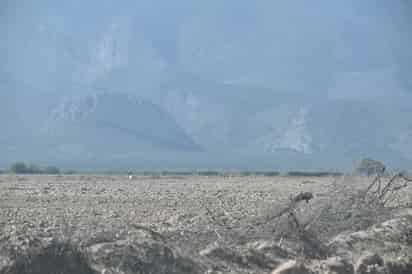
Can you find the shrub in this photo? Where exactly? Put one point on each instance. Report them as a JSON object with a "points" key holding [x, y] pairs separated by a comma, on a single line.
{"points": [[259, 173], [246, 173], [23, 168], [52, 170], [34, 169], [313, 173], [271, 173], [370, 167], [19, 168], [208, 173]]}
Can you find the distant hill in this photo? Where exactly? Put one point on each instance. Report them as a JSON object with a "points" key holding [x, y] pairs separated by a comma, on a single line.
{"points": [[116, 115], [92, 128], [188, 129]]}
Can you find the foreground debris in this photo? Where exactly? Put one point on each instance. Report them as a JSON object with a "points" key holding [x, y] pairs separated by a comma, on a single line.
{"points": [[144, 251]]}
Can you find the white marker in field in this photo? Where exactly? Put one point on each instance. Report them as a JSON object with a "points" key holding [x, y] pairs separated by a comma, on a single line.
{"points": [[131, 177]]}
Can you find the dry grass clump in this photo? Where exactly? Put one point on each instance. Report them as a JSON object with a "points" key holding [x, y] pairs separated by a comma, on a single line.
{"points": [[57, 257], [350, 208], [347, 207]]}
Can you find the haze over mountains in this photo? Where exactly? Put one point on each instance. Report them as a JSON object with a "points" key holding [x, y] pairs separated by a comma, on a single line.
{"points": [[229, 84]]}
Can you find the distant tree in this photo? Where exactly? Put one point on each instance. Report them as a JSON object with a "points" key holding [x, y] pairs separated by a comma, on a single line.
{"points": [[370, 167], [298, 173], [23, 168], [52, 170], [34, 169], [19, 168]]}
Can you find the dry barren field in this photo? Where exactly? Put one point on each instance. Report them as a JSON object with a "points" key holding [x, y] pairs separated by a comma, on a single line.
{"points": [[190, 224]]}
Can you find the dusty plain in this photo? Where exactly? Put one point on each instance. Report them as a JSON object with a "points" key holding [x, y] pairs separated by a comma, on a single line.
{"points": [[191, 214]]}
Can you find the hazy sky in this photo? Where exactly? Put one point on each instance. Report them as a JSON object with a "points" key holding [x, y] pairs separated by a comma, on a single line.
{"points": [[318, 46]]}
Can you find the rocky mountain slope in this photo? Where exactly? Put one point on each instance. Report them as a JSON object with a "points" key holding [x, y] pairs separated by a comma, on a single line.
{"points": [[90, 128], [116, 114]]}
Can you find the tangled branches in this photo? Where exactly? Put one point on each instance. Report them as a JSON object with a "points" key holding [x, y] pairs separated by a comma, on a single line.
{"points": [[385, 192], [346, 208]]}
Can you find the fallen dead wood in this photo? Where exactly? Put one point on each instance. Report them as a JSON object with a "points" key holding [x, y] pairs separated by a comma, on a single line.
{"points": [[384, 192], [294, 202]]}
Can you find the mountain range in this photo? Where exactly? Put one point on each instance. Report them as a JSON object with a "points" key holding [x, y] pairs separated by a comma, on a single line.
{"points": [[223, 84]]}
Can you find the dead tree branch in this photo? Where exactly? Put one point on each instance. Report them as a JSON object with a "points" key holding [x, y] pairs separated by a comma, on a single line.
{"points": [[384, 194]]}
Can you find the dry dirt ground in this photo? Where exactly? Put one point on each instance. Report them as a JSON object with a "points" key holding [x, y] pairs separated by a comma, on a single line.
{"points": [[188, 224]]}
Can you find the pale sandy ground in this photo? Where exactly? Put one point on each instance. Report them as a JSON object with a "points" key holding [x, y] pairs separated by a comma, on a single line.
{"points": [[165, 203], [191, 212]]}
